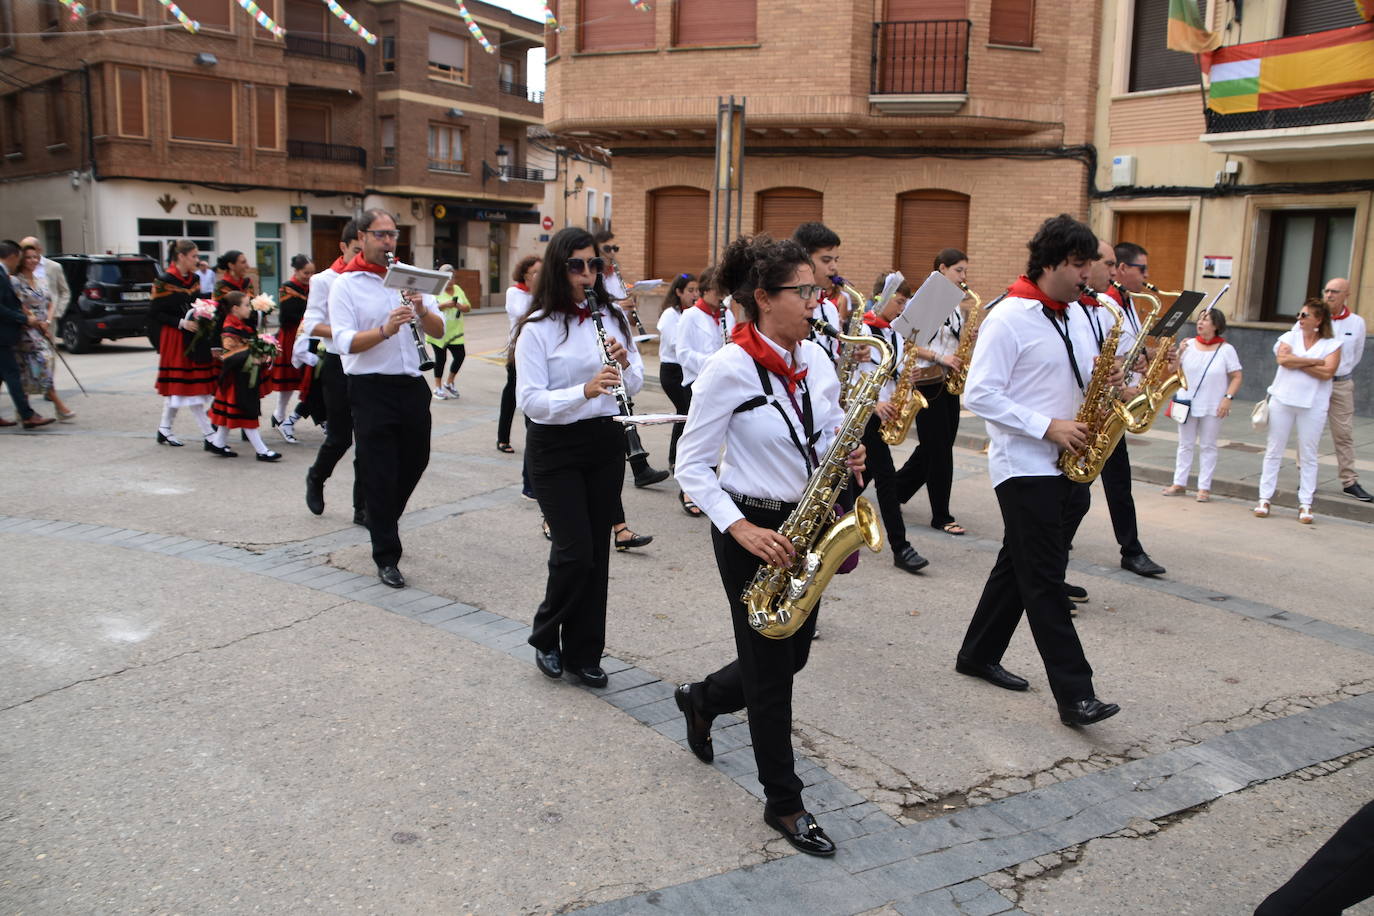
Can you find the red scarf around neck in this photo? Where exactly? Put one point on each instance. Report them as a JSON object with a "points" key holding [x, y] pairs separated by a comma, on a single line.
{"points": [[1345, 313], [874, 320], [713, 311], [361, 263], [520, 285], [338, 265], [1023, 288], [1209, 342], [582, 312], [746, 335], [240, 285]]}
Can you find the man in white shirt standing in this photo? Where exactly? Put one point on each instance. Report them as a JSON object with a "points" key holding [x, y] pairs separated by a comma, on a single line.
{"points": [[388, 393], [1027, 383], [1350, 331]]}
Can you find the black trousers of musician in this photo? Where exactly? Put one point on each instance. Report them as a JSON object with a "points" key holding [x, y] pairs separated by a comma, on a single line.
{"points": [[1339, 875], [576, 471], [931, 464], [392, 424], [670, 377], [760, 677], [880, 469], [1029, 576], [507, 415], [338, 436], [1116, 485]]}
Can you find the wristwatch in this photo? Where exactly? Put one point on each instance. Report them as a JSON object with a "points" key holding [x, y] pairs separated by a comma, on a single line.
{"points": [[1229, 397]]}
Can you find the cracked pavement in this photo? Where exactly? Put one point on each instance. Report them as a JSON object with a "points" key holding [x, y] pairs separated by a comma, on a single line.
{"points": [[211, 728]]}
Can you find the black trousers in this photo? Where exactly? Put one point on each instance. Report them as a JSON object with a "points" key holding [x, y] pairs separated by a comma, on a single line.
{"points": [[1338, 876], [576, 471], [459, 352], [881, 471], [9, 372], [507, 405], [1116, 484], [670, 377], [338, 436], [1029, 576], [760, 677], [931, 464], [392, 425]]}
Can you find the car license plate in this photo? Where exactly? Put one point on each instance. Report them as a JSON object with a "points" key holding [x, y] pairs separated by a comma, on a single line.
{"points": [[136, 297]]}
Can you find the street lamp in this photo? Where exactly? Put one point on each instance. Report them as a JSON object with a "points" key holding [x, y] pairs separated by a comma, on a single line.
{"points": [[576, 188]]}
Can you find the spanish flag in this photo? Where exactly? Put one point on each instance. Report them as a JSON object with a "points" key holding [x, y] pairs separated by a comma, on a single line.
{"points": [[1185, 29], [1292, 72]]}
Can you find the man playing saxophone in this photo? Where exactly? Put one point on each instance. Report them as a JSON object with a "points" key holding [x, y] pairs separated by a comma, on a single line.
{"points": [[1027, 384]]}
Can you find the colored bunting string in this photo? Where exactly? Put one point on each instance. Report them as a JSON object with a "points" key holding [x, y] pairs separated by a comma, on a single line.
{"points": [[262, 18], [349, 21], [186, 21], [76, 9], [473, 28], [641, 5], [551, 20]]}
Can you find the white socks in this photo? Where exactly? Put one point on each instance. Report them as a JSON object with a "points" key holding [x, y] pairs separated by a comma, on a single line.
{"points": [[169, 415], [283, 398], [219, 437], [255, 440], [203, 421]]}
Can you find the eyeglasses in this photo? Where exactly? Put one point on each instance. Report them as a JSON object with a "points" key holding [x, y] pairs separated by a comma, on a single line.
{"points": [[805, 290], [382, 235], [611, 248], [578, 265], [1143, 268], [1306, 315], [1332, 292]]}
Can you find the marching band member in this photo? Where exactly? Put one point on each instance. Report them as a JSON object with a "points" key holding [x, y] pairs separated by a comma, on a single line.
{"points": [[822, 245], [702, 330], [682, 295], [574, 449], [238, 392], [1027, 383], [287, 377], [763, 398], [386, 390], [186, 371]]}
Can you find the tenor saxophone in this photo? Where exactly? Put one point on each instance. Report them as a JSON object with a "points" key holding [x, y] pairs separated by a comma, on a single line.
{"points": [[1102, 411], [905, 398], [780, 598], [1158, 385], [848, 361], [954, 382]]}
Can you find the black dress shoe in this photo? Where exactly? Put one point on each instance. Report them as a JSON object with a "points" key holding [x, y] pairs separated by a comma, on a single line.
{"points": [[1075, 592], [1142, 565], [314, 494], [1358, 492], [223, 451], [1086, 712], [592, 676], [390, 575], [360, 517], [634, 540], [809, 837], [650, 477], [163, 439], [908, 559], [269, 456], [698, 734], [993, 674], [550, 662]]}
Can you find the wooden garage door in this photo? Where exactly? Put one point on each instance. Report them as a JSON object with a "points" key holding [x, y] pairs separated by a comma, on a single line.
{"points": [[679, 231], [1165, 236], [928, 222], [779, 211]]}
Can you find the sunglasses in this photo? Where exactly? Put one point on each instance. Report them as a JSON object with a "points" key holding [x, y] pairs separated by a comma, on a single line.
{"points": [[805, 290], [578, 265], [1306, 315]]}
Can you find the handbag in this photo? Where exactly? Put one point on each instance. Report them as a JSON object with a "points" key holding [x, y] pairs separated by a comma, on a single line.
{"points": [[1259, 417], [1179, 408]]}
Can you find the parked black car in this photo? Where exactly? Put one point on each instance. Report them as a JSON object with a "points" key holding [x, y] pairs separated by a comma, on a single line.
{"points": [[110, 298]]}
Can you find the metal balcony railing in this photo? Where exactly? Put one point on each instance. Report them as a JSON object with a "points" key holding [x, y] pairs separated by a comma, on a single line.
{"points": [[1341, 111], [920, 57], [533, 95], [326, 152], [520, 173], [326, 50]]}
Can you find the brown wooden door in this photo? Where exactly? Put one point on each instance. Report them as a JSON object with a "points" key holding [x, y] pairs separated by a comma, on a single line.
{"points": [[1165, 236], [679, 231]]}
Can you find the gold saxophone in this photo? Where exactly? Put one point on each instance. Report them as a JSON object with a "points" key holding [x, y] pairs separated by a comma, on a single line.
{"points": [[848, 361], [905, 398], [780, 598], [954, 382], [1158, 385], [1102, 411]]}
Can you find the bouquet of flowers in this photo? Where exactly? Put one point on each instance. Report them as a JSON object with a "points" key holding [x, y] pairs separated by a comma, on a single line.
{"points": [[203, 314], [262, 350], [263, 304]]}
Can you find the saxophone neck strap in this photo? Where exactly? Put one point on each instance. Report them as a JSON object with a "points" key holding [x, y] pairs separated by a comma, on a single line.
{"points": [[1062, 329], [805, 448]]}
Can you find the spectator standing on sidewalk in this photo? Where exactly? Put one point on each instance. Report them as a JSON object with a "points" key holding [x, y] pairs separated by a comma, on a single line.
{"points": [[1350, 331], [206, 276], [55, 278], [13, 321], [1212, 368], [36, 355]]}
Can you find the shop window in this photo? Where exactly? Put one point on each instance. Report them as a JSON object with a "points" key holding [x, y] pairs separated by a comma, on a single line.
{"points": [[131, 102], [1306, 248], [779, 211], [268, 134], [388, 135], [715, 22], [201, 108], [211, 14], [1303, 17], [57, 113], [613, 25], [1153, 65], [155, 237], [448, 57], [929, 221], [14, 125], [679, 231], [446, 146], [1012, 22], [50, 231]]}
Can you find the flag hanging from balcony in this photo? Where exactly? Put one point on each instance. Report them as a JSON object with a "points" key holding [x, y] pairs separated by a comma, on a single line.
{"points": [[1366, 9], [1292, 72], [1185, 29]]}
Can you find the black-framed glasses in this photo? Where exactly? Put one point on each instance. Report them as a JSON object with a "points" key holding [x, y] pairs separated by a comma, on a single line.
{"points": [[805, 290], [611, 248], [382, 235], [1140, 267], [578, 265]]}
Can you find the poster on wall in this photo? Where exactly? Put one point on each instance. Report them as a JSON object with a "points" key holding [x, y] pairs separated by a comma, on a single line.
{"points": [[1216, 266]]}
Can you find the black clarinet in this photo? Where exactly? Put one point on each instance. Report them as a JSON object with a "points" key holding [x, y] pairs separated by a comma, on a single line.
{"points": [[426, 359], [635, 448]]}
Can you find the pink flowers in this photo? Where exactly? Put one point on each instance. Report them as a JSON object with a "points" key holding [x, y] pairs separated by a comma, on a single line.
{"points": [[203, 310]]}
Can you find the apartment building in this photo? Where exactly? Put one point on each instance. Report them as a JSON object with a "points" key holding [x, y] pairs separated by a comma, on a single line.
{"points": [[121, 131]]}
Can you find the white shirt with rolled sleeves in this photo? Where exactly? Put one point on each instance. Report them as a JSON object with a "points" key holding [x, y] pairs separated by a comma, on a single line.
{"points": [[359, 302], [942, 340], [1295, 387], [698, 335], [1021, 380], [760, 458], [894, 340], [668, 321], [555, 357], [316, 313], [1351, 332]]}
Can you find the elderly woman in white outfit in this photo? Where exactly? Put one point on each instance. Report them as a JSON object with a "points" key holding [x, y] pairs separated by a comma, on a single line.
{"points": [[1307, 356], [1212, 368]]}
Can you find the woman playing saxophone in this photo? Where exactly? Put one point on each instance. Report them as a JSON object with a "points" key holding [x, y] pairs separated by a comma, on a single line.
{"points": [[772, 398]]}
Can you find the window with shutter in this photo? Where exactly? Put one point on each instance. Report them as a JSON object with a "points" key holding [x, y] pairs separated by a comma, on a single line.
{"points": [[779, 211], [1303, 17], [679, 231], [929, 221], [14, 124], [211, 14], [265, 102], [1153, 65], [714, 22], [388, 131], [446, 144], [614, 25], [448, 57], [201, 108], [130, 102], [1012, 22]]}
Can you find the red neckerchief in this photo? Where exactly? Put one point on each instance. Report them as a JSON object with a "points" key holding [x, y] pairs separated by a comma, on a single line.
{"points": [[1345, 313], [361, 263], [1023, 288], [1208, 343], [241, 286], [338, 265], [582, 312], [1117, 292], [236, 326], [520, 285], [874, 320], [714, 312], [747, 336], [176, 273], [296, 288]]}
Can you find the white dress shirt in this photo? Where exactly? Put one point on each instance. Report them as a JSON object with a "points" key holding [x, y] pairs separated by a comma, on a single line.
{"points": [[894, 340], [760, 457], [698, 336], [1295, 387], [359, 302], [828, 312], [668, 321], [316, 313], [555, 357], [1021, 380], [517, 304], [1206, 386], [1351, 332]]}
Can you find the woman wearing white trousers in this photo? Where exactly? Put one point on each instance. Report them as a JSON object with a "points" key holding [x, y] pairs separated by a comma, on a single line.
{"points": [[1307, 356], [1212, 368]]}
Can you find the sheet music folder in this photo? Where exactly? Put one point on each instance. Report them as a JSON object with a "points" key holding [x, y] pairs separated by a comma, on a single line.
{"points": [[1177, 315], [416, 279]]}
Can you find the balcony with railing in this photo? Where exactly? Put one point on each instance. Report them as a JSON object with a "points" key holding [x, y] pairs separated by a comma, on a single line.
{"points": [[520, 173], [920, 66], [302, 46], [326, 152], [521, 90]]}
